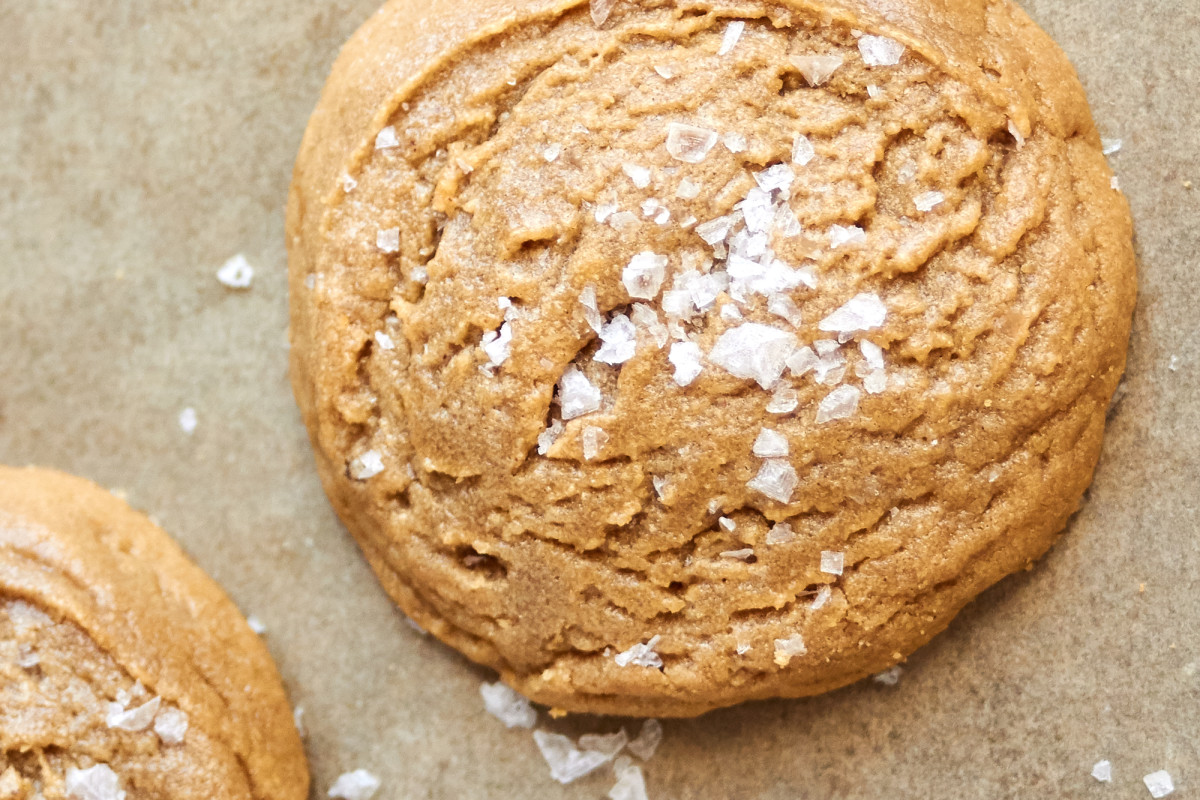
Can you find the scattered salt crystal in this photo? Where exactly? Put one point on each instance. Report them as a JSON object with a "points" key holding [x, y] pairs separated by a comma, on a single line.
{"points": [[863, 312], [841, 403], [1115, 183], [507, 706], [134, 719], [94, 783], [608, 744], [770, 444], [823, 595], [745, 554], [1102, 771], [687, 190], [366, 466], [188, 421], [776, 178], [686, 358], [1159, 783], [754, 351], [639, 175], [384, 341], [783, 401], [789, 648], [171, 725], [832, 563], [776, 479], [623, 219], [1016, 133], [600, 10], [880, 51], [310, 281], [620, 341], [735, 142], [743, 648], [687, 222], [576, 394], [783, 306], [715, 230], [872, 354], [567, 762], [874, 92], [1111, 146], [27, 658], [665, 72], [727, 525], [644, 276], [1173, 364], [630, 785], [907, 173], [356, 785], [591, 312], [420, 275], [840, 236], [759, 210], [256, 624], [552, 153], [731, 312], [236, 273], [733, 33], [604, 211], [781, 533], [594, 440], [927, 201], [498, 344], [646, 742], [689, 143], [388, 241], [802, 361], [348, 184], [641, 655], [549, 436], [876, 382], [387, 138], [802, 150], [660, 485], [646, 318], [890, 676], [298, 714], [817, 70]]}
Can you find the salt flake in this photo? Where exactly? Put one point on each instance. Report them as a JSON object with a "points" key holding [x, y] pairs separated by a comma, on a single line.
{"points": [[841, 235], [1159, 783], [638, 174], [770, 444], [630, 785], [188, 421], [134, 719], [789, 648], [783, 401], [644, 276], [641, 655], [733, 34], [171, 725], [735, 142], [927, 201], [889, 677], [802, 150], [686, 357], [754, 351], [647, 740], [388, 241], [94, 783], [832, 562], [236, 273], [781, 533], [689, 143], [863, 312], [1102, 771], [387, 138], [620, 341], [507, 706], [567, 762], [880, 51], [600, 9], [841, 403], [593, 439], [356, 785], [1111, 146], [384, 341], [817, 70], [366, 466], [576, 394], [776, 479]]}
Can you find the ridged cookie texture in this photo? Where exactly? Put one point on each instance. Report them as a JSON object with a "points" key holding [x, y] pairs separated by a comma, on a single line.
{"points": [[666, 354], [125, 671]]}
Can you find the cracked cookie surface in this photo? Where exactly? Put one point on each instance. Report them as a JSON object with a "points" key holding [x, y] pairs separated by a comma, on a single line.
{"points": [[716, 351]]}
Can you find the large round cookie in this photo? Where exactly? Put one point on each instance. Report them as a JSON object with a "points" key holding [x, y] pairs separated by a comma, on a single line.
{"points": [[668, 354], [125, 672]]}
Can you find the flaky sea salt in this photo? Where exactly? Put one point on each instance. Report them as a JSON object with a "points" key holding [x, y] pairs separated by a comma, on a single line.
{"points": [[591, 312], [1111, 146], [1102, 771], [687, 358], [727, 525], [823, 595], [593, 439], [781, 533], [802, 361], [188, 421], [600, 9], [776, 178], [928, 201], [689, 143], [776, 479], [94, 783], [660, 485], [384, 341], [236, 273], [1115, 183], [641, 655], [665, 71], [507, 706], [863, 312], [638, 174], [841, 403], [785, 400], [497, 345], [842, 235], [552, 153], [745, 554], [715, 231], [366, 466], [832, 562], [1159, 783], [567, 762], [880, 51], [620, 341], [604, 211], [876, 382], [630, 785], [1016, 133], [576, 394], [770, 444], [687, 190], [387, 138], [171, 725], [133, 719], [889, 677], [802, 150], [388, 241], [348, 184], [608, 744], [754, 351], [356, 785], [817, 70], [733, 33], [549, 436], [647, 741], [783, 306], [735, 142], [646, 318], [871, 353], [789, 648], [644, 276]]}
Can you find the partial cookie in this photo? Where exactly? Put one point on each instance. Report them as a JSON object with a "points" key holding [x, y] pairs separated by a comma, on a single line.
{"points": [[125, 671], [665, 355]]}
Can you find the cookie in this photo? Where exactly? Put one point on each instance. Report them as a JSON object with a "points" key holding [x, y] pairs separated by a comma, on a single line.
{"points": [[667, 355], [125, 671]]}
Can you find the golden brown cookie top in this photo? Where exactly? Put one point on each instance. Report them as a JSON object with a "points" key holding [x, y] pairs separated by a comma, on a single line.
{"points": [[664, 355], [123, 667]]}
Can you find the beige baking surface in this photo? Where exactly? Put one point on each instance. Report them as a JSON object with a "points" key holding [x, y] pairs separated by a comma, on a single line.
{"points": [[143, 143]]}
